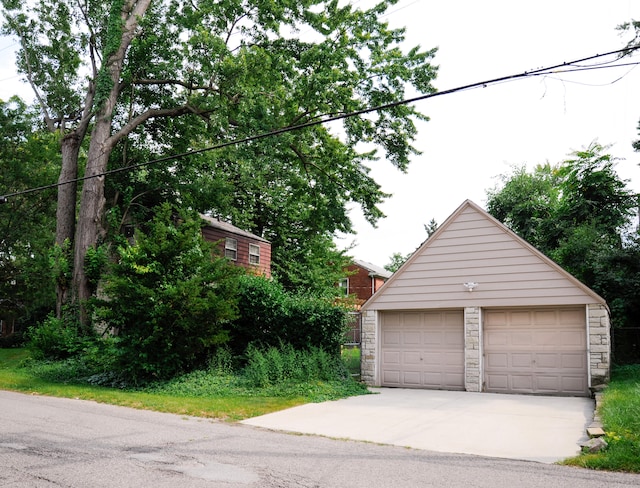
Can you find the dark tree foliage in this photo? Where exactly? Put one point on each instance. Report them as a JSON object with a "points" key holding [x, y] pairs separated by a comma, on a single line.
{"points": [[28, 158], [527, 204], [617, 274], [269, 316], [579, 213]]}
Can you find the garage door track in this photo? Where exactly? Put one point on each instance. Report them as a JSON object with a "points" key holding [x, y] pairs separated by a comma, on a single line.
{"points": [[535, 428]]}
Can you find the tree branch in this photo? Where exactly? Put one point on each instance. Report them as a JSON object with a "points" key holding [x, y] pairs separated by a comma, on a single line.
{"points": [[305, 162], [50, 123], [188, 85], [151, 114], [233, 26]]}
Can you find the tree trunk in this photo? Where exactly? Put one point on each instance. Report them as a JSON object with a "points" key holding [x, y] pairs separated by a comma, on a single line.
{"points": [[90, 226], [66, 209], [92, 198]]}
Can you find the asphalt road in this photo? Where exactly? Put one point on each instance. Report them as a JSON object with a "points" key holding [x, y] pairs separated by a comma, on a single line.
{"points": [[53, 442]]}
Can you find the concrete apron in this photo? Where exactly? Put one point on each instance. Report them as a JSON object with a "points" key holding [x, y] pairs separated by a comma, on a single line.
{"points": [[536, 428]]}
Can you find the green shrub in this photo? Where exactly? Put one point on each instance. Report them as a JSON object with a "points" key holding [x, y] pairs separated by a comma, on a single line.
{"points": [[269, 317], [16, 339], [280, 365], [222, 362], [168, 298], [54, 338]]}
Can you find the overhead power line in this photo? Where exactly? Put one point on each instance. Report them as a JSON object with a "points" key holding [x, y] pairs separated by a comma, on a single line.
{"points": [[565, 67]]}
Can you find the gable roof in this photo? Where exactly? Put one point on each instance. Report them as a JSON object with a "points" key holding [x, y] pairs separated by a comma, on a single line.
{"points": [[374, 271], [473, 247], [229, 228]]}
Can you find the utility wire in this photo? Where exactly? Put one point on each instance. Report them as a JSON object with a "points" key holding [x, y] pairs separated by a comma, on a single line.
{"points": [[555, 69]]}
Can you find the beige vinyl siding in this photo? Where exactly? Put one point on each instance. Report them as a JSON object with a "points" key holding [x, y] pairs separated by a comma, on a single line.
{"points": [[472, 246]]}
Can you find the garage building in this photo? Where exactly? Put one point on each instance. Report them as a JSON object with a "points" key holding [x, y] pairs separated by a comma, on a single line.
{"points": [[477, 308]]}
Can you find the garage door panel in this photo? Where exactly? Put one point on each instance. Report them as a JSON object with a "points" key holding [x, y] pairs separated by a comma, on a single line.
{"points": [[390, 338], [454, 340], [453, 359], [423, 350], [452, 318], [519, 318], [553, 361], [392, 318], [521, 382], [453, 380], [574, 384], [545, 338], [433, 337], [412, 378], [544, 317], [496, 319], [498, 382], [433, 319], [573, 338], [391, 378], [391, 357], [411, 319], [497, 360], [411, 358], [549, 384], [521, 338], [573, 361], [432, 380], [412, 338], [432, 358], [496, 338], [574, 317], [521, 360]]}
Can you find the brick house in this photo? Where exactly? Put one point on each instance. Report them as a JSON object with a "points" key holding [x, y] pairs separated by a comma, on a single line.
{"points": [[241, 247], [364, 280]]}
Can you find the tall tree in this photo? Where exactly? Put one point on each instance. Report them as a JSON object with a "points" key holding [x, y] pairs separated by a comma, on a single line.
{"points": [[29, 158], [126, 69], [50, 61], [580, 214], [527, 202]]}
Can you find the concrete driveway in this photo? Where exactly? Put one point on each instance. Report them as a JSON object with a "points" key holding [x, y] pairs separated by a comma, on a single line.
{"points": [[535, 428]]}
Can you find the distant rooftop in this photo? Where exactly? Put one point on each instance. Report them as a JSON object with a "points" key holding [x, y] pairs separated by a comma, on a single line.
{"points": [[227, 227], [373, 269]]}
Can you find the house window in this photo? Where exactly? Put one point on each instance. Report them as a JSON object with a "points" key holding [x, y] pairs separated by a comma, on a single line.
{"points": [[231, 248], [344, 286], [254, 254]]}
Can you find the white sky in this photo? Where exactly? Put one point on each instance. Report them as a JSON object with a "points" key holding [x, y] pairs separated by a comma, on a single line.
{"points": [[474, 136]]}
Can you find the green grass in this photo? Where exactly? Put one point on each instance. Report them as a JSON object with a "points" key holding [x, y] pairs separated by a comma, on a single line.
{"points": [[351, 357], [620, 414], [208, 394]]}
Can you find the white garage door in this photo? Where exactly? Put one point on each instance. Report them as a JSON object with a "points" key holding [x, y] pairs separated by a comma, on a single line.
{"points": [[536, 351], [423, 349]]}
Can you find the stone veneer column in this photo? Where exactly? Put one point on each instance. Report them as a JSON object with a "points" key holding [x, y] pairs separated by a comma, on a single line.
{"points": [[599, 344], [472, 377], [368, 347]]}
